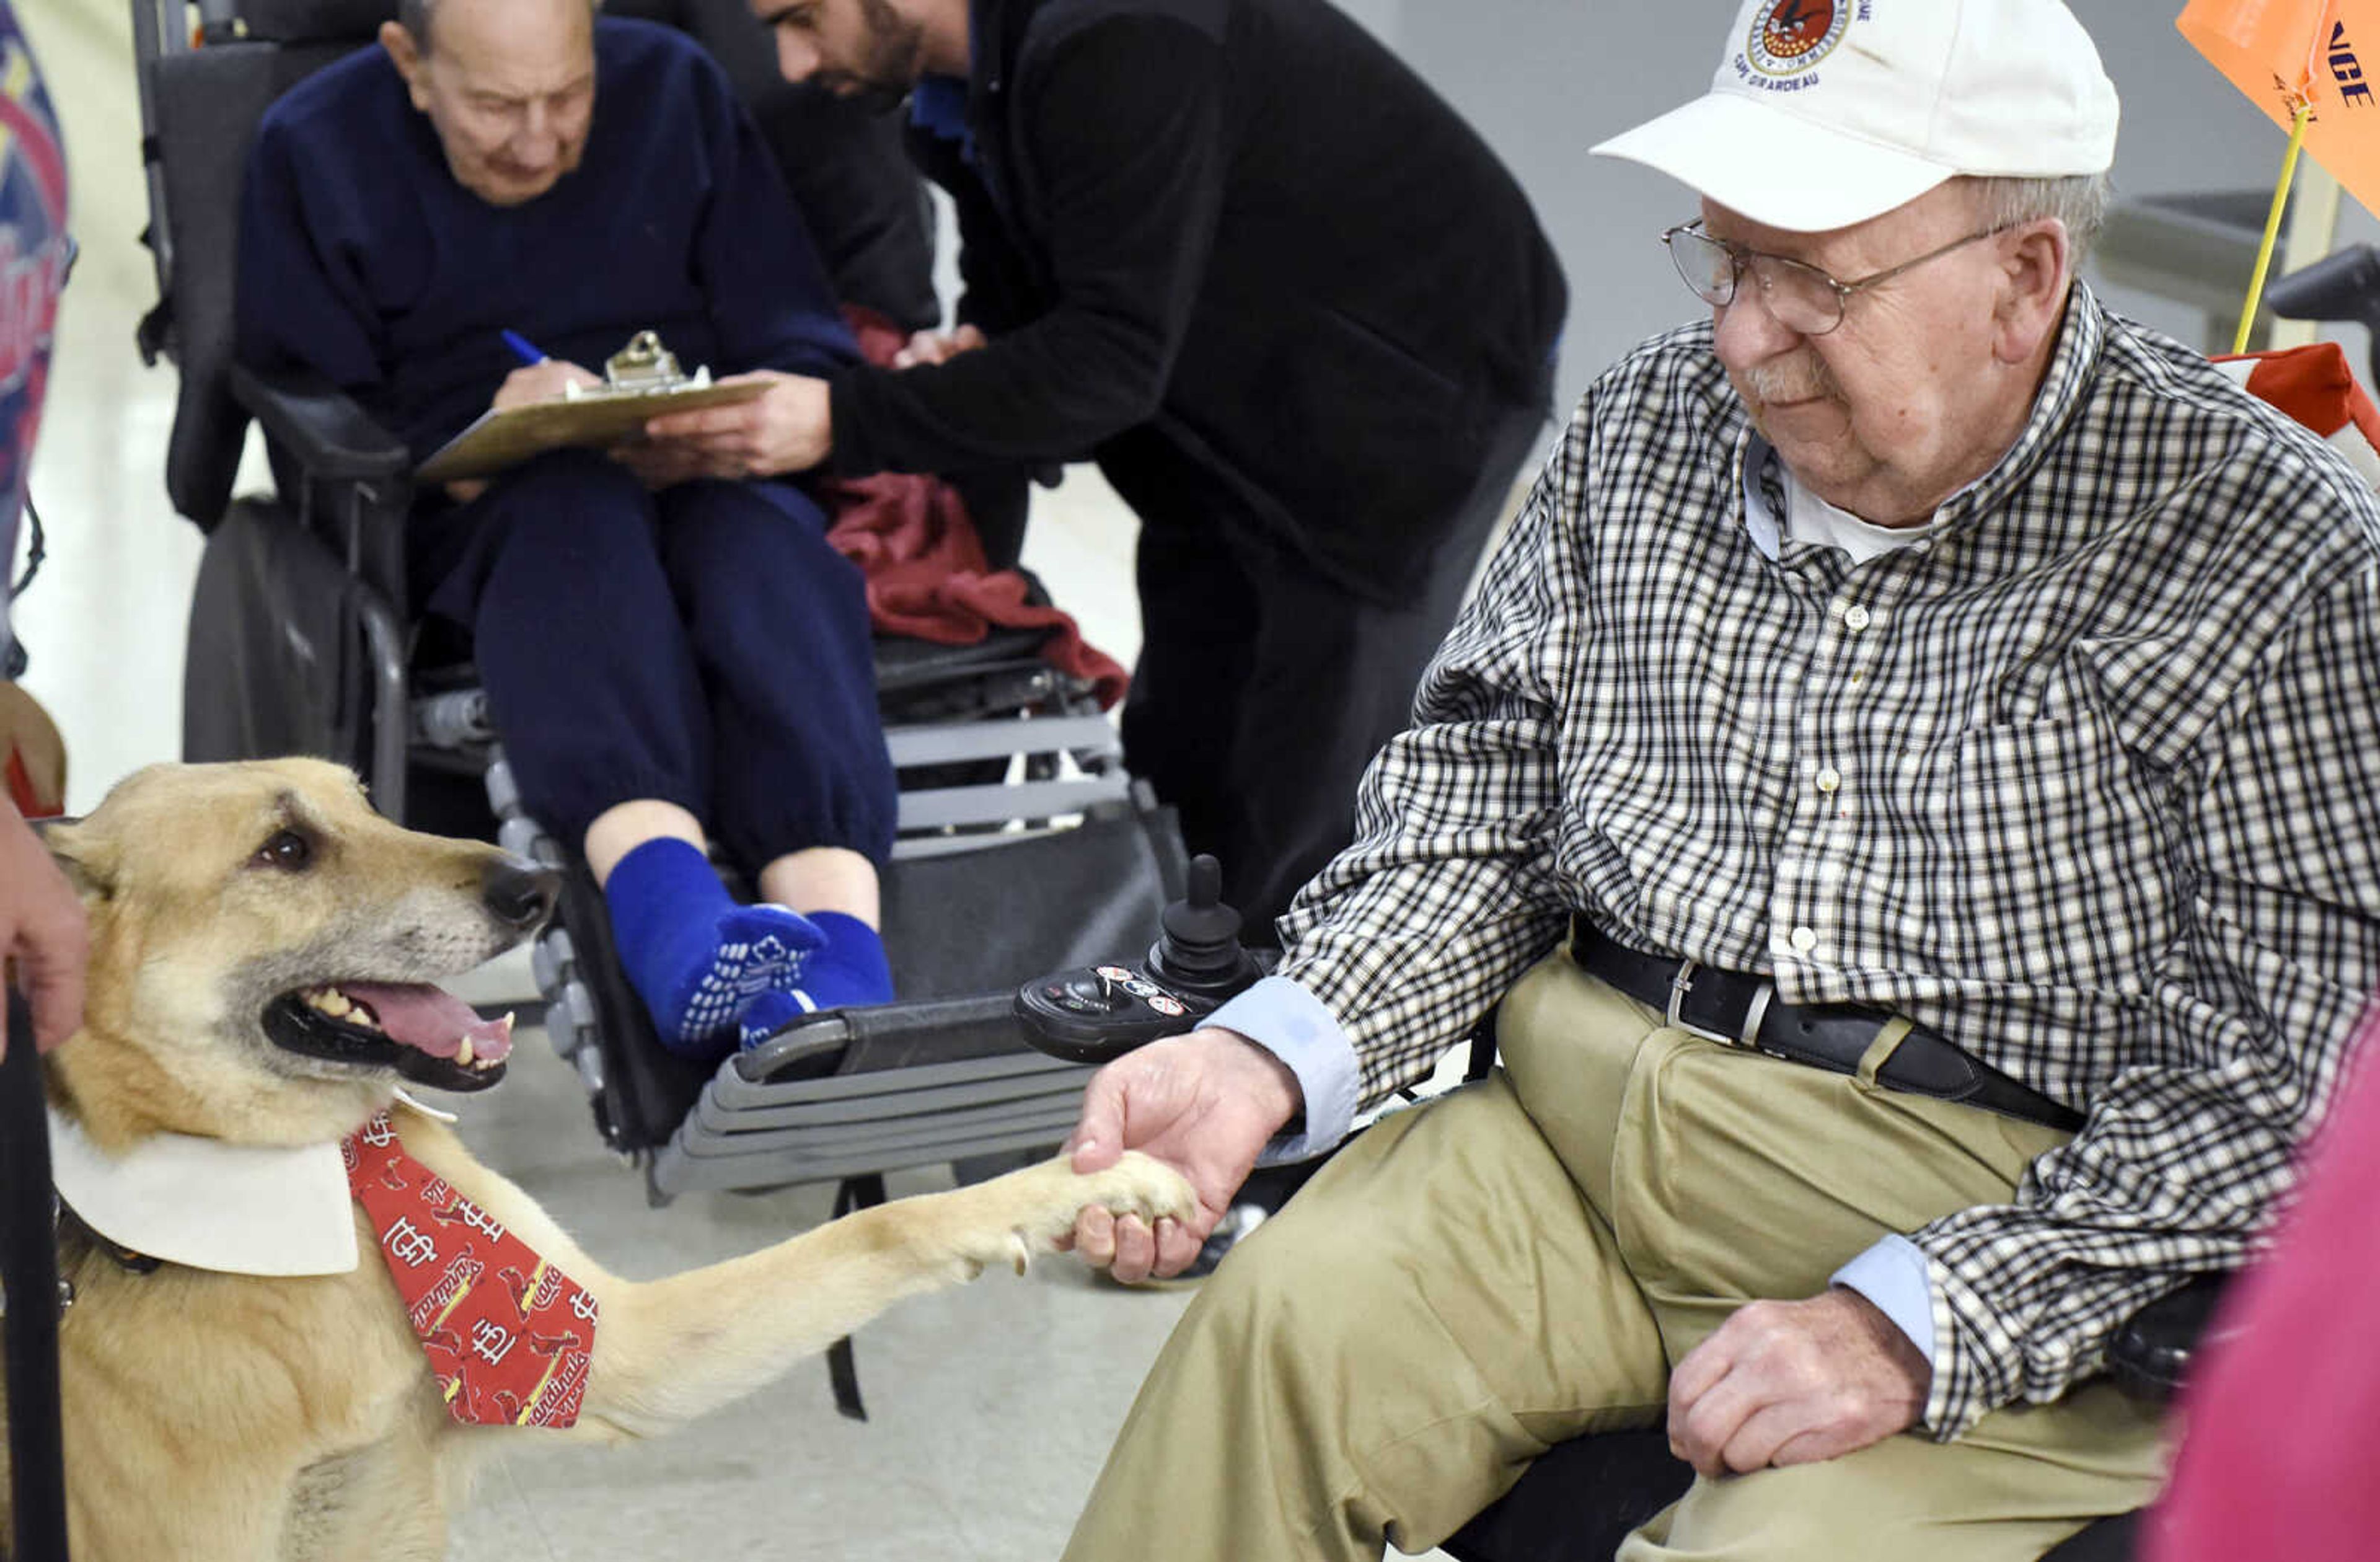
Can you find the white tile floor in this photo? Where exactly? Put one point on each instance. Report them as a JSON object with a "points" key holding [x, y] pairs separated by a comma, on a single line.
{"points": [[992, 1406]]}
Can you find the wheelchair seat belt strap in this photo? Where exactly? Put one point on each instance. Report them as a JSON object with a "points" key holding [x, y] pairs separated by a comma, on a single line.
{"points": [[842, 1365]]}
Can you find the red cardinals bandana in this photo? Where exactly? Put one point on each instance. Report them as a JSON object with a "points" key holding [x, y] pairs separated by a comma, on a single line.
{"points": [[508, 1334]]}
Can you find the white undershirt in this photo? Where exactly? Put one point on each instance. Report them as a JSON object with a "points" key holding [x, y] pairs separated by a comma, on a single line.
{"points": [[1809, 518]]}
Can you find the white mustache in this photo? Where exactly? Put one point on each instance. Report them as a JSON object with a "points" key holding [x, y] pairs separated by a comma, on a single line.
{"points": [[1791, 380]]}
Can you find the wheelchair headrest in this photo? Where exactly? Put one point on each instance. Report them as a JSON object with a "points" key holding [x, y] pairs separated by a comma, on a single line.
{"points": [[327, 22], [314, 21]]}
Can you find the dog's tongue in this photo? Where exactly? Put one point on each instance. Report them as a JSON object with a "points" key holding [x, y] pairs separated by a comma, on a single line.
{"points": [[432, 1019]]}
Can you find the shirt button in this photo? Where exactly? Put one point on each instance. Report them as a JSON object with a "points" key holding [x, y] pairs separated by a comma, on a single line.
{"points": [[1829, 778], [1855, 618], [1804, 940]]}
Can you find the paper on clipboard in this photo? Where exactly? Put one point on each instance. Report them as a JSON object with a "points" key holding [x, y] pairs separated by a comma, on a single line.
{"points": [[640, 383]]}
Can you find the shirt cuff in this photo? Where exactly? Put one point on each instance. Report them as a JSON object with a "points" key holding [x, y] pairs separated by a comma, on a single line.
{"points": [[1291, 1023], [1892, 1274]]}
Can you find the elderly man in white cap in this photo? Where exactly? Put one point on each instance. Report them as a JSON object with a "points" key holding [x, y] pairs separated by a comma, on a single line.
{"points": [[1906, 785]]}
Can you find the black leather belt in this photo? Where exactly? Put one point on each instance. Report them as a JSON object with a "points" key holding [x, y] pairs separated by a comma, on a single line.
{"points": [[1742, 1010]]}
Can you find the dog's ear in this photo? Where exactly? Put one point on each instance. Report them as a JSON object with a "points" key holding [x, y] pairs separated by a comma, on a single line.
{"points": [[87, 858]]}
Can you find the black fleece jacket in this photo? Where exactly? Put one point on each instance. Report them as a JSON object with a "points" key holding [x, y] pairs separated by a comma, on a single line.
{"points": [[1246, 222]]}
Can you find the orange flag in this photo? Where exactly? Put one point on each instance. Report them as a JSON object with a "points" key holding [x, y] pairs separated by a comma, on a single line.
{"points": [[2321, 52]]}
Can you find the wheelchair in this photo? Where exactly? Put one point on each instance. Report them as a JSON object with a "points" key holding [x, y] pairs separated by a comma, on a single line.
{"points": [[1023, 844]]}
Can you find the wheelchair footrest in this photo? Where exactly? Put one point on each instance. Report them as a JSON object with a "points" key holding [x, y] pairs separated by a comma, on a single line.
{"points": [[913, 1085]]}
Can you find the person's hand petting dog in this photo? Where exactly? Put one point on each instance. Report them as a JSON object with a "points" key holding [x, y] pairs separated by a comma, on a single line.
{"points": [[44, 943], [1203, 1103], [1794, 1382]]}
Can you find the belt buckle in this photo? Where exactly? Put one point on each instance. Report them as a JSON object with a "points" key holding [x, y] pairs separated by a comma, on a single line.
{"points": [[1682, 982]]}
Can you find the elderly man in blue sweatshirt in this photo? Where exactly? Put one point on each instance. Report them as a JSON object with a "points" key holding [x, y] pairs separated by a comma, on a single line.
{"points": [[670, 657]]}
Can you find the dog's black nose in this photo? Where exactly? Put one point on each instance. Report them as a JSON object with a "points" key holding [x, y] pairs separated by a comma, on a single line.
{"points": [[520, 893]]}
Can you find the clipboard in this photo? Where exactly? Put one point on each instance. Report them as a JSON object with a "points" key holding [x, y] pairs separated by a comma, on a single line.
{"points": [[641, 382]]}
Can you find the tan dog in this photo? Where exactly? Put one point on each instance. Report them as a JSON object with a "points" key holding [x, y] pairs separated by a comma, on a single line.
{"points": [[231, 1418]]}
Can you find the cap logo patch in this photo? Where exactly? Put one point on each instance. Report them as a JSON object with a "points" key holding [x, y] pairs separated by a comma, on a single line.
{"points": [[1791, 36]]}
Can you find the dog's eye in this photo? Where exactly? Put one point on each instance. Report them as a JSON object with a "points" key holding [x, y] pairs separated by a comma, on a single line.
{"points": [[288, 851]]}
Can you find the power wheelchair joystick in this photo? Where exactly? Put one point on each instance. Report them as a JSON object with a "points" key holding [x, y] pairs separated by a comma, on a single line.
{"points": [[1094, 1013]]}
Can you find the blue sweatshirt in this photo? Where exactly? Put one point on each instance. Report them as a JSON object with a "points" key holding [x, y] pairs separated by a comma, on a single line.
{"points": [[363, 259]]}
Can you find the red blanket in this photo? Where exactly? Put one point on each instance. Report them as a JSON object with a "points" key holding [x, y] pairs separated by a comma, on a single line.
{"points": [[927, 574]]}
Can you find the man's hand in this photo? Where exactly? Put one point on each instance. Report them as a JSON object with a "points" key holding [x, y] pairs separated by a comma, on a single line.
{"points": [[1794, 1382], [788, 429], [525, 386], [1204, 1103], [42, 935], [938, 347], [541, 381]]}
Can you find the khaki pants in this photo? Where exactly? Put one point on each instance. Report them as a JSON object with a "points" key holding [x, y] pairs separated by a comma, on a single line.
{"points": [[1524, 1260]]}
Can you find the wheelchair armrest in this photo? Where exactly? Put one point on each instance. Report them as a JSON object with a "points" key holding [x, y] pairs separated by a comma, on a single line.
{"points": [[321, 427], [2152, 1351], [900, 1035], [2343, 285]]}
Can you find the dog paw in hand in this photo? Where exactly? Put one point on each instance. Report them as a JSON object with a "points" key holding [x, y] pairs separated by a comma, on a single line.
{"points": [[1042, 1202], [1137, 1185]]}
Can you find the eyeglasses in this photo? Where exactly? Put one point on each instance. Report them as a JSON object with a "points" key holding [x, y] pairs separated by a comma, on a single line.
{"points": [[1803, 299]]}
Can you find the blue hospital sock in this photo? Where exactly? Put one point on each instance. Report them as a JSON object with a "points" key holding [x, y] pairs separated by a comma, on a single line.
{"points": [[849, 972], [694, 955]]}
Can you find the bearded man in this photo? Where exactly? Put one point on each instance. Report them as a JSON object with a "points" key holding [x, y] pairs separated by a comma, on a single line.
{"points": [[1297, 311]]}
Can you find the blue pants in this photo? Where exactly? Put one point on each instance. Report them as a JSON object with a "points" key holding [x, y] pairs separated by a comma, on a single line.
{"points": [[703, 646]]}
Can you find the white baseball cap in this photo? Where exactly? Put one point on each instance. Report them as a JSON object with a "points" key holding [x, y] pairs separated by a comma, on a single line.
{"points": [[1826, 113]]}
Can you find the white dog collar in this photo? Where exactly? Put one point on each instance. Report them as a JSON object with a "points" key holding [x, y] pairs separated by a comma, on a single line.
{"points": [[237, 1209]]}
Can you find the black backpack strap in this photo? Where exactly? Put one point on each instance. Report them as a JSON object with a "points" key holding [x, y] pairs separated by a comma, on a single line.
{"points": [[29, 1274]]}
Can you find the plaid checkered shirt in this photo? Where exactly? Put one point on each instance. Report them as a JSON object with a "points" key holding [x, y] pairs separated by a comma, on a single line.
{"points": [[2087, 780]]}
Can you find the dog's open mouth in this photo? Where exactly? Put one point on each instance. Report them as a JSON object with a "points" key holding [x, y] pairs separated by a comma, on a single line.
{"points": [[429, 1036]]}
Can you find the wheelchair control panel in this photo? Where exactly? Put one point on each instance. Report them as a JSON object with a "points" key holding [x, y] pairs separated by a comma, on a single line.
{"points": [[1094, 1013]]}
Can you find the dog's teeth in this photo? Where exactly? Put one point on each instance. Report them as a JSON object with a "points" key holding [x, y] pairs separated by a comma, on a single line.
{"points": [[463, 1052], [333, 1002], [507, 1023]]}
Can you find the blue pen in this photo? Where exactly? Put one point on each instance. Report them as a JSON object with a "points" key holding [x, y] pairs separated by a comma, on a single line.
{"points": [[523, 348]]}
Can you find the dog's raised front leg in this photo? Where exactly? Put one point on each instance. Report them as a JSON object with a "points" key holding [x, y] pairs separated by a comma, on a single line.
{"points": [[669, 1350]]}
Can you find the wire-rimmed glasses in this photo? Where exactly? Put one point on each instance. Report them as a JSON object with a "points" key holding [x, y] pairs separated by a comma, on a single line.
{"points": [[1802, 298]]}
